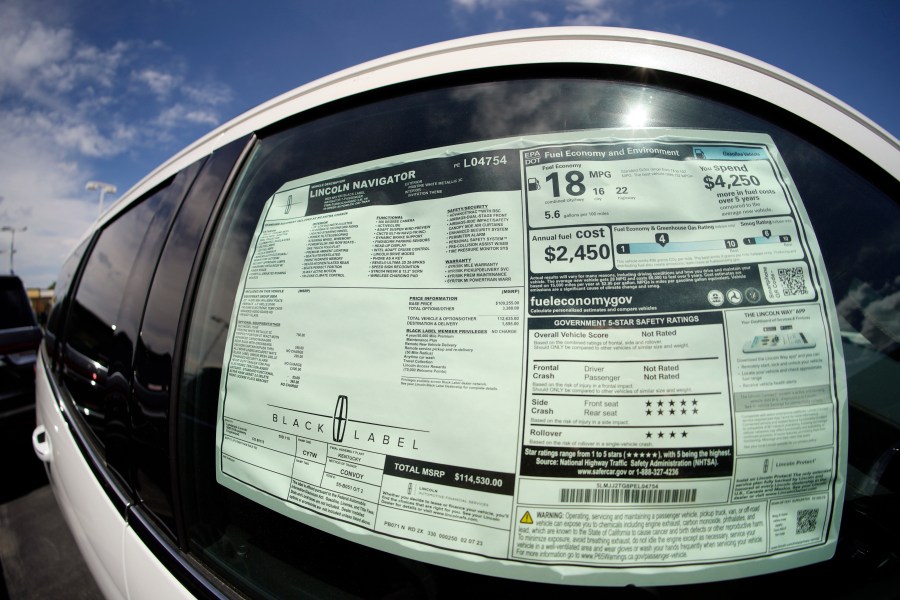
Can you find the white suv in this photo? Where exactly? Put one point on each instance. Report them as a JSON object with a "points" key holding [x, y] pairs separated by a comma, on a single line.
{"points": [[582, 307]]}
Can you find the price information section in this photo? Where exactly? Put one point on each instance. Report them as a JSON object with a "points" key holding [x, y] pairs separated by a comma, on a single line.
{"points": [[594, 358], [373, 379]]}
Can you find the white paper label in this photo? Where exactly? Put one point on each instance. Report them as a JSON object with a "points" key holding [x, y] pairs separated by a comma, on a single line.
{"points": [[587, 358]]}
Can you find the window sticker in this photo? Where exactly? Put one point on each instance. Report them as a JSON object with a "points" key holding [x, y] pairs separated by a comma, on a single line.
{"points": [[601, 358]]}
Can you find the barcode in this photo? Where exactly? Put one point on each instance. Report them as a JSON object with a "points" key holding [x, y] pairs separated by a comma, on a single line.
{"points": [[806, 520], [793, 281], [627, 496]]}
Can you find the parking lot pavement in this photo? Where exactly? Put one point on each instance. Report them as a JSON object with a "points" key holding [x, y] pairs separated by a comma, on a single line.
{"points": [[38, 554]]}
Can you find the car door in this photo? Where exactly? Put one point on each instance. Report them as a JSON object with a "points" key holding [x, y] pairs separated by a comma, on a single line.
{"points": [[102, 415]]}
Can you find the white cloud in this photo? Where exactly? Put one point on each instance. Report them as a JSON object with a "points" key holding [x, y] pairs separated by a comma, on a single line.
{"points": [[547, 12], [594, 12], [498, 8], [472, 5], [873, 313], [28, 49], [177, 114], [41, 189], [160, 82], [67, 105], [208, 94], [542, 13], [540, 18], [39, 63]]}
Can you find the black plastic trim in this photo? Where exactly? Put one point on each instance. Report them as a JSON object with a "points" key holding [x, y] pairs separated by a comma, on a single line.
{"points": [[181, 332]]}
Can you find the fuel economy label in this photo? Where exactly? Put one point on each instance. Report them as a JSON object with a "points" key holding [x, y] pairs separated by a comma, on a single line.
{"points": [[601, 357]]}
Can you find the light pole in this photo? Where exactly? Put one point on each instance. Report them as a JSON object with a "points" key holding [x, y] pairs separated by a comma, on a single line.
{"points": [[12, 244], [104, 188]]}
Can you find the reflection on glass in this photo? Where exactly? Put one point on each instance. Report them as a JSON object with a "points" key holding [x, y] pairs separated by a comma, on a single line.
{"points": [[637, 117]]}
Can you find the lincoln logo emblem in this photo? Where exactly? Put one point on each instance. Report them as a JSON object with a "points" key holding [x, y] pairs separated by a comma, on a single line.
{"points": [[339, 424]]}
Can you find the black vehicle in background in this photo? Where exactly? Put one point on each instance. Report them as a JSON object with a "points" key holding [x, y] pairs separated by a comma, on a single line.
{"points": [[20, 337]]}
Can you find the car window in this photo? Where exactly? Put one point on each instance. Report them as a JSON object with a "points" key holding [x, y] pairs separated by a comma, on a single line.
{"points": [[853, 212], [61, 297], [149, 404], [102, 325]]}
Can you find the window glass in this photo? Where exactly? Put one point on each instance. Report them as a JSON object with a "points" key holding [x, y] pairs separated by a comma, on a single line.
{"points": [[93, 324], [856, 220], [61, 296], [105, 316], [156, 344]]}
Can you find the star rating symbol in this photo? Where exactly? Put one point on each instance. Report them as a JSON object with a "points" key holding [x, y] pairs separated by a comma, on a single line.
{"points": [[660, 435], [673, 406]]}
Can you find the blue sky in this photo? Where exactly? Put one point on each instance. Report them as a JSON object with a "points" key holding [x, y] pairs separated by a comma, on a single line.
{"points": [[106, 90]]}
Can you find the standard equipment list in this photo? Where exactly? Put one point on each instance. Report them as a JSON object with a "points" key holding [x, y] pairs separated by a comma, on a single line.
{"points": [[596, 358]]}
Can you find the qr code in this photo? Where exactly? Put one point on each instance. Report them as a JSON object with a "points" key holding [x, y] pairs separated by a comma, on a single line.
{"points": [[806, 520], [793, 281]]}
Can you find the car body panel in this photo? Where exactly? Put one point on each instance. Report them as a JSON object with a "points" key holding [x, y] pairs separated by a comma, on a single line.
{"points": [[95, 523], [145, 583]]}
